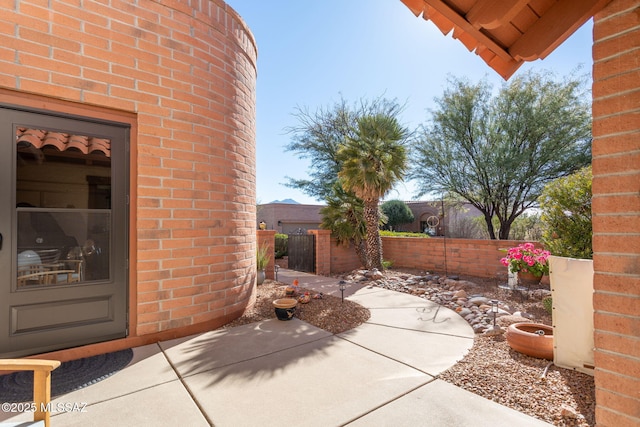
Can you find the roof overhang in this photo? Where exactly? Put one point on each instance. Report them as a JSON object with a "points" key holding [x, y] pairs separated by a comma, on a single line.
{"points": [[504, 33]]}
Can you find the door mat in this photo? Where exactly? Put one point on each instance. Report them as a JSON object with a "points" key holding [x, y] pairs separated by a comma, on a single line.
{"points": [[69, 376]]}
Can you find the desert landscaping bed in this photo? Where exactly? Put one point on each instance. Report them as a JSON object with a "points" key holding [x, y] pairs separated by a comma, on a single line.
{"points": [[491, 369]]}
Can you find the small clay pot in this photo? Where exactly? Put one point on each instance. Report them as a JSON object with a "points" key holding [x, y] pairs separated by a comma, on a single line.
{"points": [[285, 308], [528, 280], [532, 339]]}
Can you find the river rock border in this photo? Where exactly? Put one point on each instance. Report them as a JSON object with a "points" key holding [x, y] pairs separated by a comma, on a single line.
{"points": [[454, 293]]}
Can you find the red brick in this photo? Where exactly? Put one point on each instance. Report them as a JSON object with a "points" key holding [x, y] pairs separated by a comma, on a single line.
{"points": [[629, 245], [50, 89], [619, 304], [188, 311], [151, 307], [622, 264], [605, 203], [153, 296], [606, 184], [616, 65], [623, 325], [617, 124], [620, 363], [619, 403], [618, 383], [620, 223], [177, 302], [152, 317], [618, 104], [615, 144], [146, 329], [620, 344], [608, 418], [629, 285]]}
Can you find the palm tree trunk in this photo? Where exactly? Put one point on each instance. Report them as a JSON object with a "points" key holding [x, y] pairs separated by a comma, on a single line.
{"points": [[374, 243]]}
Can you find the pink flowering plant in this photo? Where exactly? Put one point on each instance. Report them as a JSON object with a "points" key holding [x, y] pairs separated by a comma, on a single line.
{"points": [[527, 258]]}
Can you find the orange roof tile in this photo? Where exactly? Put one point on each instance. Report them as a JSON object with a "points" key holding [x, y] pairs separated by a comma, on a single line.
{"points": [[39, 138]]}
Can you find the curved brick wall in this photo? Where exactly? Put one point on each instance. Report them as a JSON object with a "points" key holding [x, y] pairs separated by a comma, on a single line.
{"points": [[188, 71]]}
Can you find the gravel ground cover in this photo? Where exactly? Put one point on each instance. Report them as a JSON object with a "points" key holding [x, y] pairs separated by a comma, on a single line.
{"points": [[328, 313], [490, 369]]}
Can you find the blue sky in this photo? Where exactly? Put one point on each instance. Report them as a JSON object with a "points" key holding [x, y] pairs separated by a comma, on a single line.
{"points": [[312, 53]]}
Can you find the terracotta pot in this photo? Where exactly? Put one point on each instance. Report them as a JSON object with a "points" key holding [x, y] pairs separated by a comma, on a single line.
{"points": [[285, 308], [528, 279], [532, 339]]}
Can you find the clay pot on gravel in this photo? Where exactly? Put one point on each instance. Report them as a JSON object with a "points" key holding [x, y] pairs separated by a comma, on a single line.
{"points": [[532, 339], [528, 280], [285, 308]]}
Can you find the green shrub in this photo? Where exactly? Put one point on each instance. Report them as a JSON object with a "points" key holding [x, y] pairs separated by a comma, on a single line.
{"points": [[565, 206], [401, 234], [526, 227], [281, 245], [397, 213], [547, 303], [387, 264]]}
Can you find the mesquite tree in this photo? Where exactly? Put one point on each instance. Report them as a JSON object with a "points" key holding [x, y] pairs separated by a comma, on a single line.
{"points": [[497, 151]]}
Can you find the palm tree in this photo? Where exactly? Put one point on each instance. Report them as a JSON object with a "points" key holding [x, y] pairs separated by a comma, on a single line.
{"points": [[372, 163], [343, 216]]}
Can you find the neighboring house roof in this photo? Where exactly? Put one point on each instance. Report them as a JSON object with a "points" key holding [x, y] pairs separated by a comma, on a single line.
{"points": [[507, 33]]}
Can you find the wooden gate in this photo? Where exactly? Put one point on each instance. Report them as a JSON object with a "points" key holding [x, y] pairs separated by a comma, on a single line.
{"points": [[302, 252]]}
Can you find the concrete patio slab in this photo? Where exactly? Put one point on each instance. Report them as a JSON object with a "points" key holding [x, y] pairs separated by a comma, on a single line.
{"points": [[227, 346], [148, 368], [428, 318], [167, 404], [442, 404], [327, 382], [289, 372], [428, 352], [384, 298]]}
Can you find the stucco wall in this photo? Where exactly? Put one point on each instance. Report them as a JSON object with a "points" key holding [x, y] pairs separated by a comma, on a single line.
{"points": [[616, 206], [288, 218], [186, 72]]}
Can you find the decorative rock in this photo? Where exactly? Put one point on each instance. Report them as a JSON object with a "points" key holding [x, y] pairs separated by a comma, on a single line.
{"points": [[374, 274], [567, 411], [478, 329], [539, 293], [505, 321], [447, 292], [479, 300], [464, 312], [491, 331], [460, 294], [523, 315]]}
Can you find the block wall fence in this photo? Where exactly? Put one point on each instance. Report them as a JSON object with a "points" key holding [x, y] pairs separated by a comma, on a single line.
{"points": [[616, 212], [480, 258], [182, 74]]}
